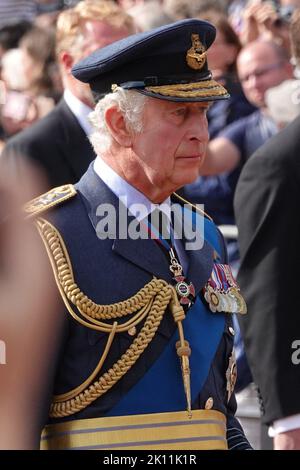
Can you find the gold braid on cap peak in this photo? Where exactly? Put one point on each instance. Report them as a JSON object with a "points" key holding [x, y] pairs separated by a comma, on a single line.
{"points": [[149, 303], [189, 90]]}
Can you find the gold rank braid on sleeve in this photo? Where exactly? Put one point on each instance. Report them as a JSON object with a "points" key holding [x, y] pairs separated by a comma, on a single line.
{"points": [[149, 303]]}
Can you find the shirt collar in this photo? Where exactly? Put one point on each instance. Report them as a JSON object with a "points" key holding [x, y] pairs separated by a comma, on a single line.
{"points": [[80, 110], [135, 201]]}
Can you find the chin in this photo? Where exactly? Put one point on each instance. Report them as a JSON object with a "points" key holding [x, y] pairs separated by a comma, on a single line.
{"points": [[188, 178]]}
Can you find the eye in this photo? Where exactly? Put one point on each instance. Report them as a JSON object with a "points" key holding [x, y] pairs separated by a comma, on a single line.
{"points": [[204, 109], [179, 112]]}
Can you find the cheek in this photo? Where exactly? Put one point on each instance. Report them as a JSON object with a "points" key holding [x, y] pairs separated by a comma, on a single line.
{"points": [[215, 56], [164, 143], [28, 67]]}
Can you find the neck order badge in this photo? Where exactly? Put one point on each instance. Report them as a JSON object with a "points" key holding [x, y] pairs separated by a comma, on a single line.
{"points": [[184, 289]]}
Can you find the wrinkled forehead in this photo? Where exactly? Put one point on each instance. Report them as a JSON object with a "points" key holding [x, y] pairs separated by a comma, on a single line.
{"points": [[180, 104], [154, 106]]}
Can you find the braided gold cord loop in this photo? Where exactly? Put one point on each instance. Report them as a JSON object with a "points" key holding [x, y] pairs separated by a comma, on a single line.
{"points": [[93, 312], [122, 366], [183, 350], [150, 302], [76, 391]]}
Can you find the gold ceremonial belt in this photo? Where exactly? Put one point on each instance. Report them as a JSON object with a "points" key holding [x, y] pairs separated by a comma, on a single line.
{"points": [[204, 430]]}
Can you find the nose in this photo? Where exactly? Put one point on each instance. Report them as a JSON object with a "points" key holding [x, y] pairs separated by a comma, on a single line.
{"points": [[197, 127], [252, 81]]}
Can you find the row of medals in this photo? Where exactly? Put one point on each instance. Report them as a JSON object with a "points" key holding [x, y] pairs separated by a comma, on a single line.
{"points": [[220, 296], [222, 291], [229, 301]]}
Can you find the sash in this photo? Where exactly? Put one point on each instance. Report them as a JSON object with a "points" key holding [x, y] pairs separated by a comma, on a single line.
{"points": [[161, 388]]}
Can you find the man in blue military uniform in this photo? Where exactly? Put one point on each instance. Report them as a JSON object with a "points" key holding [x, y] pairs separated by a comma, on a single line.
{"points": [[147, 336]]}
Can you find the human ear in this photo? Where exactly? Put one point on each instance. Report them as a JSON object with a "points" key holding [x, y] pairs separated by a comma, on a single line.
{"points": [[116, 124], [67, 61]]}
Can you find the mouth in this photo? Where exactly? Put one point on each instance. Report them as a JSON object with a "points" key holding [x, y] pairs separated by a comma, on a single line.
{"points": [[190, 158], [258, 93]]}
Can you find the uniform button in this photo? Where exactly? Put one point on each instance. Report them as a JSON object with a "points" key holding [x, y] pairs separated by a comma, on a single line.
{"points": [[132, 331], [231, 331], [209, 403]]}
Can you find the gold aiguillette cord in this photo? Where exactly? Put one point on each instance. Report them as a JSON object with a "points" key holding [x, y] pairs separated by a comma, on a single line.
{"points": [[183, 349]]}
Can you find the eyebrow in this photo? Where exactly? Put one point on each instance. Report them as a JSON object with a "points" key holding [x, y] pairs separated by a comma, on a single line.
{"points": [[206, 104], [199, 104]]}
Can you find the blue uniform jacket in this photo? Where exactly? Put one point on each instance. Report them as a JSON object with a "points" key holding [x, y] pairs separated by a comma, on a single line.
{"points": [[109, 271]]}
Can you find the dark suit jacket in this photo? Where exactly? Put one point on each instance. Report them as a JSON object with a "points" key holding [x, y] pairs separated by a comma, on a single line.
{"points": [[267, 213], [56, 143]]}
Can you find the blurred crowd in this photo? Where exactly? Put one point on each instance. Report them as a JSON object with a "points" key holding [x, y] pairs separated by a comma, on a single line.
{"points": [[256, 56]]}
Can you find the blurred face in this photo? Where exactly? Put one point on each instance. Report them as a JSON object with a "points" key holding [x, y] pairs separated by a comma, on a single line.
{"points": [[259, 69], [32, 68], [172, 145], [97, 34]]}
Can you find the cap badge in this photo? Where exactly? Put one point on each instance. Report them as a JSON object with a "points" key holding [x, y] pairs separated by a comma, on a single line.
{"points": [[196, 55]]}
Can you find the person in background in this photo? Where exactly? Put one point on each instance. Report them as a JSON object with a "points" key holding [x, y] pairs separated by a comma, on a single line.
{"points": [[11, 34], [267, 20], [283, 102], [18, 110], [25, 292], [261, 65], [39, 62], [223, 57], [58, 143], [149, 15], [29, 75], [180, 9], [235, 14], [266, 205]]}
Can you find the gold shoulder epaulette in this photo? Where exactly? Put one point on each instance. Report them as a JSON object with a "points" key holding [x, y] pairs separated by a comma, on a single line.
{"points": [[50, 199], [197, 209]]}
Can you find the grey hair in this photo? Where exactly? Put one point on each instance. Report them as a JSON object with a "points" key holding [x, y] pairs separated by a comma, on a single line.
{"points": [[131, 104]]}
